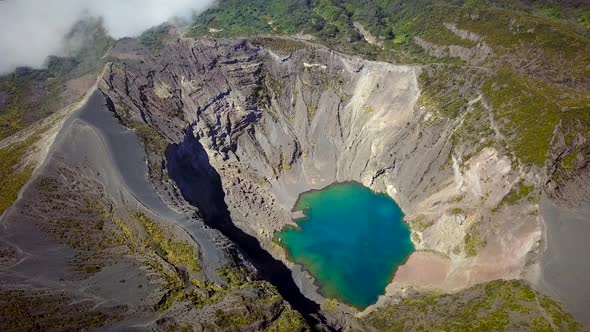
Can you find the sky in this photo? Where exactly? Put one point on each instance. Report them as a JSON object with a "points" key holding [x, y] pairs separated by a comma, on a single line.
{"points": [[31, 30]]}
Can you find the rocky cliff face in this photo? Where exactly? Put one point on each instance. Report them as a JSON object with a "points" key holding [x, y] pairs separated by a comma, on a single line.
{"points": [[272, 118]]}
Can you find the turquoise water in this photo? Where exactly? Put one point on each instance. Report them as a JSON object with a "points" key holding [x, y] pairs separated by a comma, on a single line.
{"points": [[351, 240]]}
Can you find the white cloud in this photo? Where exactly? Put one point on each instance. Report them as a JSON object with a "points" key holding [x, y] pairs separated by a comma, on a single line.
{"points": [[30, 30]]}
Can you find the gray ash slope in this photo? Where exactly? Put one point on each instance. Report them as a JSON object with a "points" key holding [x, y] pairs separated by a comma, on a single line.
{"points": [[92, 245]]}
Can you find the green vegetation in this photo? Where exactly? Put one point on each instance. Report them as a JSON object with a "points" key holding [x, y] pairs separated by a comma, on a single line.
{"points": [[472, 133], [569, 161], [395, 22], [496, 306], [11, 122], [170, 300], [153, 38], [154, 143], [249, 311], [519, 192], [562, 320], [150, 137], [75, 219], [441, 35], [42, 310], [279, 45], [269, 88], [527, 113], [13, 174], [179, 328], [331, 21], [472, 241], [244, 18], [251, 301], [368, 109], [172, 283], [127, 237], [176, 261], [559, 51], [475, 4], [456, 211], [420, 224], [329, 304], [553, 11], [288, 321], [584, 19], [178, 252], [28, 97], [447, 89], [235, 318], [282, 166], [235, 278]]}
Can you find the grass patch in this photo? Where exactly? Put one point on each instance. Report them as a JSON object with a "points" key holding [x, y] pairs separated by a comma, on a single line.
{"points": [[526, 112], [178, 252], [445, 90], [153, 38], [283, 163], [329, 304], [420, 223], [569, 161], [288, 321], [368, 109], [245, 18], [519, 192], [551, 48], [441, 35], [456, 211], [472, 242], [154, 143], [150, 137], [11, 122], [28, 96], [562, 320], [584, 19], [26, 309], [12, 175], [279, 45], [266, 305], [496, 306]]}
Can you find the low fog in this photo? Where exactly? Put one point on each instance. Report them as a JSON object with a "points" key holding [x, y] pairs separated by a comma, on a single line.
{"points": [[30, 30]]}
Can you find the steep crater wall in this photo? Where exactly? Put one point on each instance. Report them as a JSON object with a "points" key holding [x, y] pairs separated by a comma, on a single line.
{"points": [[275, 122]]}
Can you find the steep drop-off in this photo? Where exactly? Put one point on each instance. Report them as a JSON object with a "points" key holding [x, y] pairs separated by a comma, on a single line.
{"points": [[275, 119]]}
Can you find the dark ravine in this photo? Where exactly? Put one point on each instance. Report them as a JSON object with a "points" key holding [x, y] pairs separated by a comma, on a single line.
{"points": [[200, 184]]}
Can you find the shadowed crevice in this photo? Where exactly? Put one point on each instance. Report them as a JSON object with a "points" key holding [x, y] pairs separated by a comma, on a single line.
{"points": [[200, 184]]}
